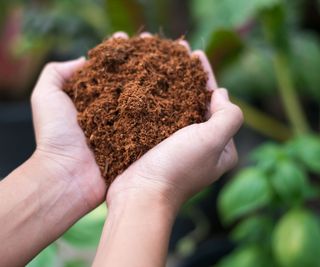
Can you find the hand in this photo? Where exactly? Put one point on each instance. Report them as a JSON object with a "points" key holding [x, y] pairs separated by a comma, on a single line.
{"points": [[61, 145], [189, 160]]}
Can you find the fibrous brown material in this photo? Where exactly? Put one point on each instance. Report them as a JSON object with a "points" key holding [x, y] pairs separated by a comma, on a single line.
{"points": [[133, 93]]}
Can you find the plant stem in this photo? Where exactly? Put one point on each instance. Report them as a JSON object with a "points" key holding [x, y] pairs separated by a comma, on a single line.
{"points": [[288, 94], [262, 122], [276, 34]]}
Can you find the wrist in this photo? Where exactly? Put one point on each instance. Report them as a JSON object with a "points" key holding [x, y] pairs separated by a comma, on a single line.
{"points": [[137, 225], [55, 196], [44, 208], [142, 199], [64, 171]]}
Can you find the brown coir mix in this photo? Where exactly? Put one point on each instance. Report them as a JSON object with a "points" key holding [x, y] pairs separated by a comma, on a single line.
{"points": [[133, 93]]}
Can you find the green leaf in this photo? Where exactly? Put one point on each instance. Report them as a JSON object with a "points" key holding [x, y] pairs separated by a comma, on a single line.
{"points": [[289, 181], [223, 47], [249, 256], [296, 240], [247, 192], [268, 155], [87, 231], [306, 65], [253, 229], [125, 15], [47, 257], [307, 150], [211, 15]]}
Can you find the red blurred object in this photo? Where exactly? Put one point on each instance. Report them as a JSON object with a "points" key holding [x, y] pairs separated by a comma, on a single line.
{"points": [[16, 72]]}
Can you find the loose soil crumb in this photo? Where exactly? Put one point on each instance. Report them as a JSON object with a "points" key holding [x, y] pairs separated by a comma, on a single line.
{"points": [[133, 93]]}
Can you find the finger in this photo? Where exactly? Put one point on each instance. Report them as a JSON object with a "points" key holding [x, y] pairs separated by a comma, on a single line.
{"points": [[49, 104], [55, 74], [224, 122], [211, 83], [228, 158], [145, 35], [120, 34], [185, 44]]}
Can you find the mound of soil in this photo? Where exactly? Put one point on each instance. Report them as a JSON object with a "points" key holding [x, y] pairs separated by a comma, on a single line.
{"points": [[133, 93]]}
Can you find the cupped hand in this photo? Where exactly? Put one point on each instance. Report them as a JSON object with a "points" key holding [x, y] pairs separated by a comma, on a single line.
{"points": [[174, 170], [61, 146], [189, 160]]}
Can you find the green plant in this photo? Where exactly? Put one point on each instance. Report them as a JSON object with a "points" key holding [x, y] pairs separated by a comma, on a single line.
{"points": [[272, 201], [77, 246], [274, 194]]}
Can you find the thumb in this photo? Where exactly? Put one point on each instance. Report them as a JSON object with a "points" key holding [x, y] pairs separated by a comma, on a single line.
{"points": [[55, 74], [224, 122], [48, 102]]}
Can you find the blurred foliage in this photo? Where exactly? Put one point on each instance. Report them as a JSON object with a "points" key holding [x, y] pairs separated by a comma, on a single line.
{"points": [[296, 239], [261, 51], [83, 236], [46, 258], [249, 256], [248, 191], [51, 25], [283, 174]]}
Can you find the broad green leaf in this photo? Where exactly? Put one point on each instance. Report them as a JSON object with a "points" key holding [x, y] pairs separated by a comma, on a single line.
{"points": [[125, 15], [47, 258], [268, 155], [210, 15], [306, 63], [296, 240], [253, 229], [289, 181], [245, 193], [307, 150], [249, 256], [223, 47], [87, 231]]}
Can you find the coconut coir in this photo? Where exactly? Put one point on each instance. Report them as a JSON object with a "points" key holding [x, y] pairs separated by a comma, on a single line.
{"points": [[133, 93]]}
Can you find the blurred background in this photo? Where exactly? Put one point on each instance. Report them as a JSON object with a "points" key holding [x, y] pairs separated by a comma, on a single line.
{"points": [[266, 52]]}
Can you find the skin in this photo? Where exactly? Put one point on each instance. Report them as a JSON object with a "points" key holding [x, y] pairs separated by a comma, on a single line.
{"points": [[61, 182]]}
